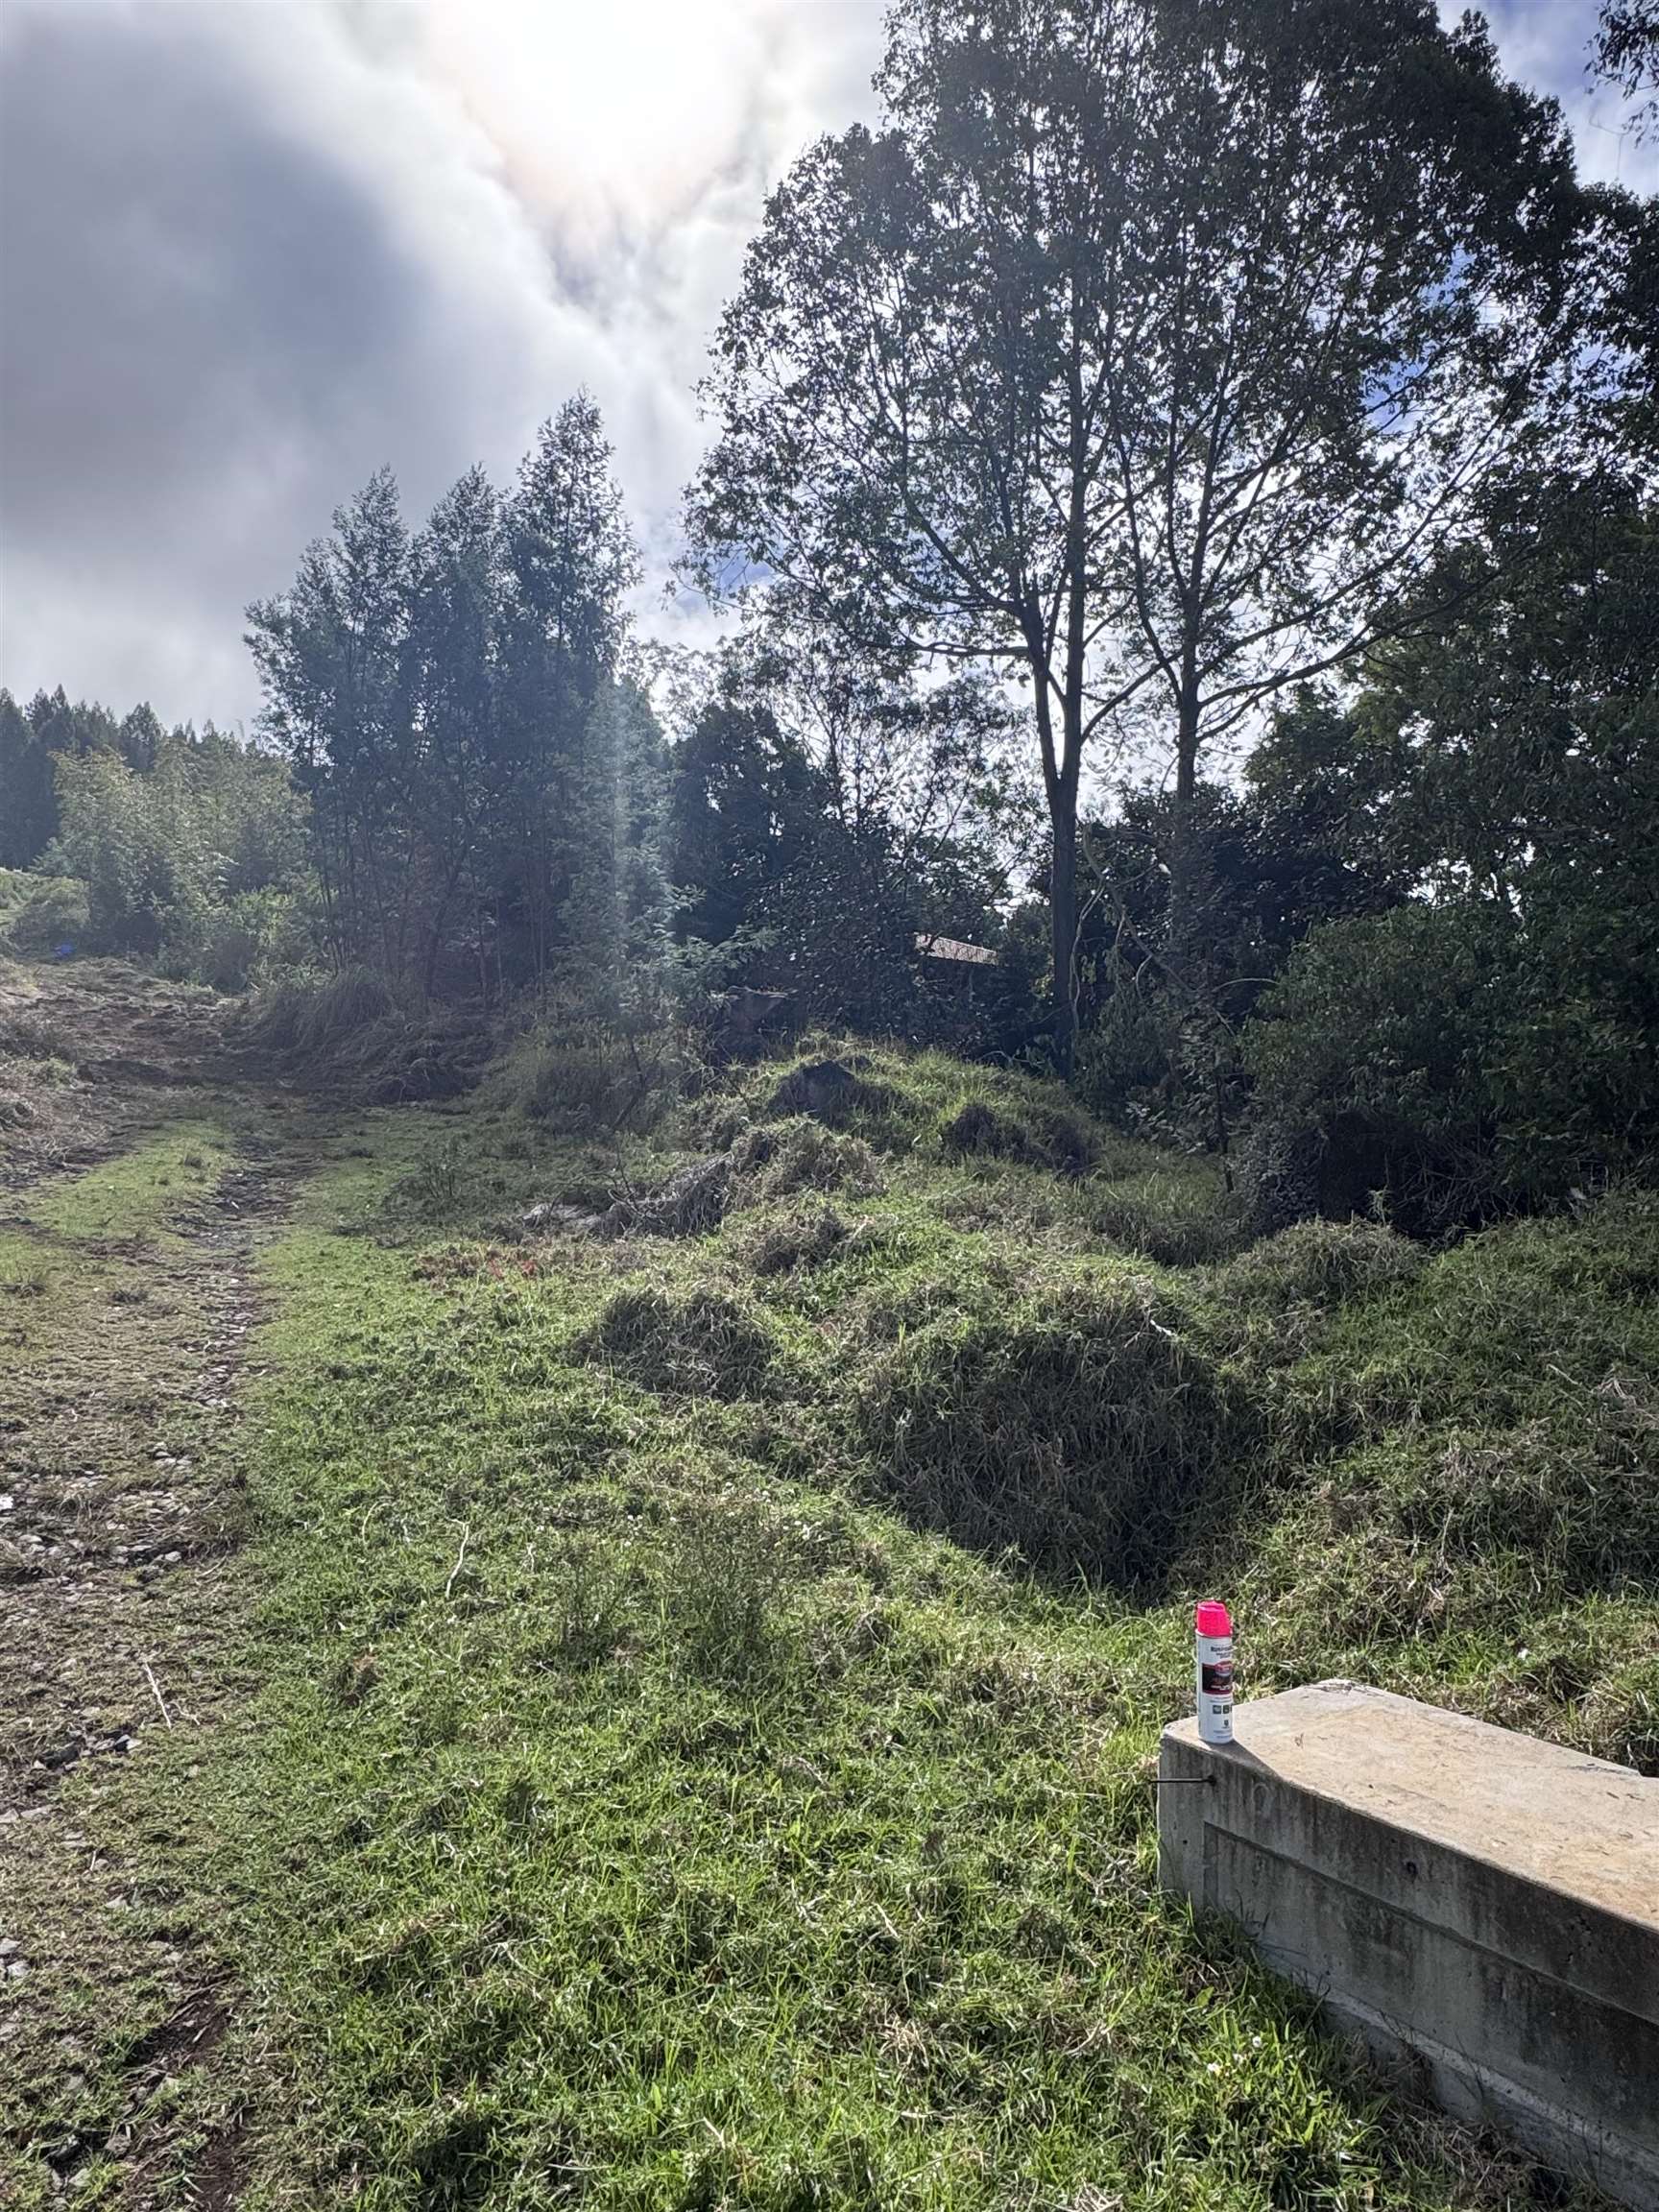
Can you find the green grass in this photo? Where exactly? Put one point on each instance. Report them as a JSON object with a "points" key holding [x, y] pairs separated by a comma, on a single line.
{"points": [[136, 1195], [821, 1875], [640, 1811], [25, 1269]]}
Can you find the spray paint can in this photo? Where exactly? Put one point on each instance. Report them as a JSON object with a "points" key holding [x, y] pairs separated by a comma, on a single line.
{"points": [[1213, 1625]]}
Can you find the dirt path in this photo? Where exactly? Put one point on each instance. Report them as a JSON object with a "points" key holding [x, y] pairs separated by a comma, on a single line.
{"points": [[139, 1181]]}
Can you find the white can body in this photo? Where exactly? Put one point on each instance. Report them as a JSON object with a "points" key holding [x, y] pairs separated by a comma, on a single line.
{"points": [[1214, 1686]]}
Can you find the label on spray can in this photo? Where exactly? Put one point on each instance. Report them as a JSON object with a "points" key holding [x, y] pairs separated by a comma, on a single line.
{"points": [[1214, 1670]]}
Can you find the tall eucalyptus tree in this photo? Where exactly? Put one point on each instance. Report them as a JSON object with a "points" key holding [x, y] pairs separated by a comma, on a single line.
{"points": [[1149, 350]]}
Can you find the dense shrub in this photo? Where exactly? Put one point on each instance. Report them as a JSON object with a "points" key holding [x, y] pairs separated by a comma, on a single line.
{"points": [[1439, 1060], [38, 913], [198, 862], [1079, 1427], [838, 1096]]}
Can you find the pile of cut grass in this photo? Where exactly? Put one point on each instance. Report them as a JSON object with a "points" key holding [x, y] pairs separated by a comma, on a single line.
{"points": [[804, 1238], [1080, 1428], [700, 1345], [782, 1159], [1048, 1136]]}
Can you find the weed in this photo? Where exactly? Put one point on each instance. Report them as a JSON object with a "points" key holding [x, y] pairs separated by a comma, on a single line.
{"points": [[728, 1564], [434, 1189], [587, 1585]]}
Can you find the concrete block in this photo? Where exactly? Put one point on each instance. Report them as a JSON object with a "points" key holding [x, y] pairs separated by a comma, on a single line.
{"points": [[1481, 1906]]}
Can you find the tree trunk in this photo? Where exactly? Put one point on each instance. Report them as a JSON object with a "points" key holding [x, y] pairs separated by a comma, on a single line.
{"points": [[1182, 858], [1060, 776], [1063, 922]]}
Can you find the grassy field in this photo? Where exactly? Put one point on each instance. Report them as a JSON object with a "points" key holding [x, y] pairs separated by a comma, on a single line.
{"points": [[690, 1772], [708, 1681]]}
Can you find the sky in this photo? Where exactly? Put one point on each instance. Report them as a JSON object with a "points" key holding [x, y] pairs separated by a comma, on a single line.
{"points": [[252, 250]]}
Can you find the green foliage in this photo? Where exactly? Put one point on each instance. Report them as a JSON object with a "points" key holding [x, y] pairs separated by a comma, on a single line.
{"points": [[1227, 488], [485, 783], [33, 741], [1380, 1035], [197, 861], [37, 913], [1051, 1138], [1494, 1043], [351, 1027], [583, 1076]]}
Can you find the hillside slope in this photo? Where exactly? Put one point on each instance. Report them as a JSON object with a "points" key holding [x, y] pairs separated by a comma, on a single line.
{"points": [[710, 1638]]}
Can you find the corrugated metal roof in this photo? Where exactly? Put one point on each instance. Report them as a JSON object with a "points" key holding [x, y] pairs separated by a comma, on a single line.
{"points": [[955, 948]]}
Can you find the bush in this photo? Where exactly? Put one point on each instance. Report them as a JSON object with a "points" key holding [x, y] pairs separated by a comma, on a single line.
{"points": [[1379, 1039], [256, 935], [38, 913], [695, 1345], [691, 1204], [1453, 1532], [1079, 1428], [322, 1019]]}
